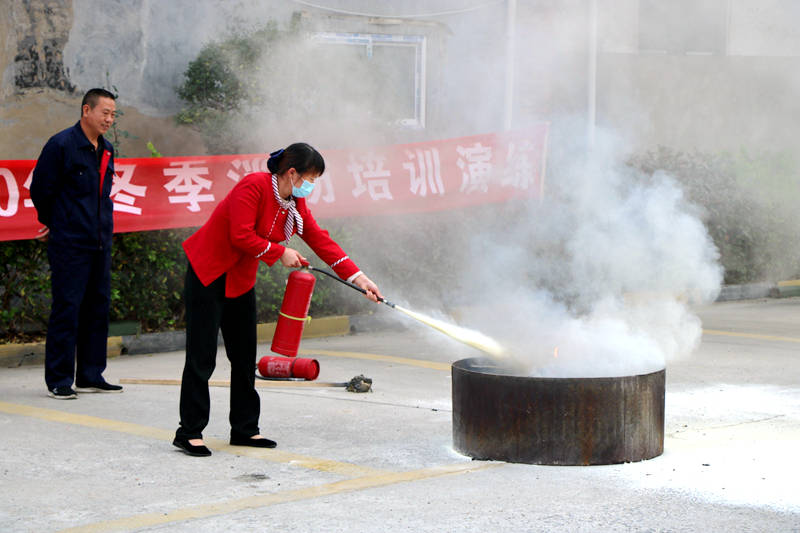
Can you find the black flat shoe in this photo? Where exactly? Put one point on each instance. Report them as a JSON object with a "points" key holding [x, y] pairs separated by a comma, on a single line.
{"points": [[191, 449], [255, 443], [103, 386]]}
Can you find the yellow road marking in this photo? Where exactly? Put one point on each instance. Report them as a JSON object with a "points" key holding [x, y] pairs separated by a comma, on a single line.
{"points": [[750, 335], [256, 502], [278, 456], [51, 415], [271, 455], [376, 357]]}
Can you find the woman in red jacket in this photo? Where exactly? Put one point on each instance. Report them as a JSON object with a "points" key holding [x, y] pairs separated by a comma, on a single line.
{"points": [[247, 227]]}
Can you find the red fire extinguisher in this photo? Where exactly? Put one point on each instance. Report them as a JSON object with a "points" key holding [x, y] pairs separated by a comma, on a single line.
{"points": [[288, 367], [292, 317]]}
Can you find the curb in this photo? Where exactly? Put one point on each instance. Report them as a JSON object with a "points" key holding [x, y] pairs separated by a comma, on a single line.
{"points": [[750, 291], [786, 289], [15, 355]]}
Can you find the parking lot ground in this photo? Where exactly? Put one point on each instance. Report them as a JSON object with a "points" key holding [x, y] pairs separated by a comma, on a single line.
{"points": [[384, 461]]}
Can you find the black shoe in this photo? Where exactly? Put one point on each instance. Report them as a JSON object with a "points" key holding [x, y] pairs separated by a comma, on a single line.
{"points": [[62, 393], [103, 386], [255, 443], [191, 449]]}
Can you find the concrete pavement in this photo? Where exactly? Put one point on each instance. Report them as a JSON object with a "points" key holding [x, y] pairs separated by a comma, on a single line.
{"points": [[383, 461]]}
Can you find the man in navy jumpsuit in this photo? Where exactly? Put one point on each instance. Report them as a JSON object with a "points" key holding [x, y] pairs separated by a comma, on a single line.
{"points": [[73, 202]]}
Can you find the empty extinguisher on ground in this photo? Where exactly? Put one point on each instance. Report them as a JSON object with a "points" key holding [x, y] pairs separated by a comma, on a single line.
{"points": [[293, 315], [288, 367]]}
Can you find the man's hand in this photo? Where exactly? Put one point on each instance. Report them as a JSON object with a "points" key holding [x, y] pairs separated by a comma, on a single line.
{"points": [[292, 259], [373, 293], [44, 233]]}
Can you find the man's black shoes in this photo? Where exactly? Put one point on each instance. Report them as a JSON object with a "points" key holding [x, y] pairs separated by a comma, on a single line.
{"points": [[68, 393], [191, 449], [103, 386], [62, 393], [255, 443]]}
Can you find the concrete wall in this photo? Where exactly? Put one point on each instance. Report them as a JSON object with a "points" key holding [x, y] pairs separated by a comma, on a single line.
{"points": [[703, 103], [146, 45], [745, 96], [143, 47], [32, 38]]}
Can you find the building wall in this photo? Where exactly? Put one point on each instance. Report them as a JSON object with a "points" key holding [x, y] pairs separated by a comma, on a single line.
{"points": [[146, 45], [552, 61], [739, 94], [32, 38], [143, 47]]}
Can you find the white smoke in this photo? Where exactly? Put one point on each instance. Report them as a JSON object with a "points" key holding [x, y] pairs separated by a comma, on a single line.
{"points": [[599, 278]]}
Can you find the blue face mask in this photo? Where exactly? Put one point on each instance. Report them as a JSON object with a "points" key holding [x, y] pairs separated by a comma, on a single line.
{"points": [[303, 190]]}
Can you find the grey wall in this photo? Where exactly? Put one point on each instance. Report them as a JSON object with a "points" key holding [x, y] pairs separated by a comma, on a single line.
{"points": [[743, 95], [146, 45], [740, 95]]}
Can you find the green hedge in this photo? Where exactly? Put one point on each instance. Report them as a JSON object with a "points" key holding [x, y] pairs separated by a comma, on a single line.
{"points": [[25, 288], [147, 277], [749, 203]]}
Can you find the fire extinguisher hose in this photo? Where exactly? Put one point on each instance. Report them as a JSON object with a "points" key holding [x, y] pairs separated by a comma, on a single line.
{"points": [[345, 282]]}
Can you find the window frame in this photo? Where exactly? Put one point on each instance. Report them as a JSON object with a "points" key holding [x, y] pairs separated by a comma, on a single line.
{"points": [[370, 40]]}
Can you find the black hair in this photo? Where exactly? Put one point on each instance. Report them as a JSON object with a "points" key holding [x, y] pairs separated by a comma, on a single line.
{"points": [[93, 95], [300, 156]]}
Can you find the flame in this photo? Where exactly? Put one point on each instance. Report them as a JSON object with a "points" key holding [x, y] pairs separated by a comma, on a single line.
{"points": [[555, 352]]}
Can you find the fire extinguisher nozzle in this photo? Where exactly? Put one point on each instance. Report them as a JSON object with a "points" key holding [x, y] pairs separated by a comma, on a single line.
{"points": [[345, 282]]}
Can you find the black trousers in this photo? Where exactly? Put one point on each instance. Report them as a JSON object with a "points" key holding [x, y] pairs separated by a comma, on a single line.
{"points": [[208, 311], [80, 281]]}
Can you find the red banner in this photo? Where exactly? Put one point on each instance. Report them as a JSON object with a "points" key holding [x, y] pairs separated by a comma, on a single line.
{"points": [[173, 192]]}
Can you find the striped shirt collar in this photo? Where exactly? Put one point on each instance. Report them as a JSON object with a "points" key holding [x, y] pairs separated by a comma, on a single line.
{"points": [[290, 206]]}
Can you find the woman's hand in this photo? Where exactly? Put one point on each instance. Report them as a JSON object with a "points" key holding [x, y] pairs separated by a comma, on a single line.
{"points": [[373, 293], [291, 258]]}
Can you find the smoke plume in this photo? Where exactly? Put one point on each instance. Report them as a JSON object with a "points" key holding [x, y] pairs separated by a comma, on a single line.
{"points": [[599, 278]]}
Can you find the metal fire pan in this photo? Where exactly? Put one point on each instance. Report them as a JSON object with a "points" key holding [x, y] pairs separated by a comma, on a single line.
{"points": [[556, 421]]}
